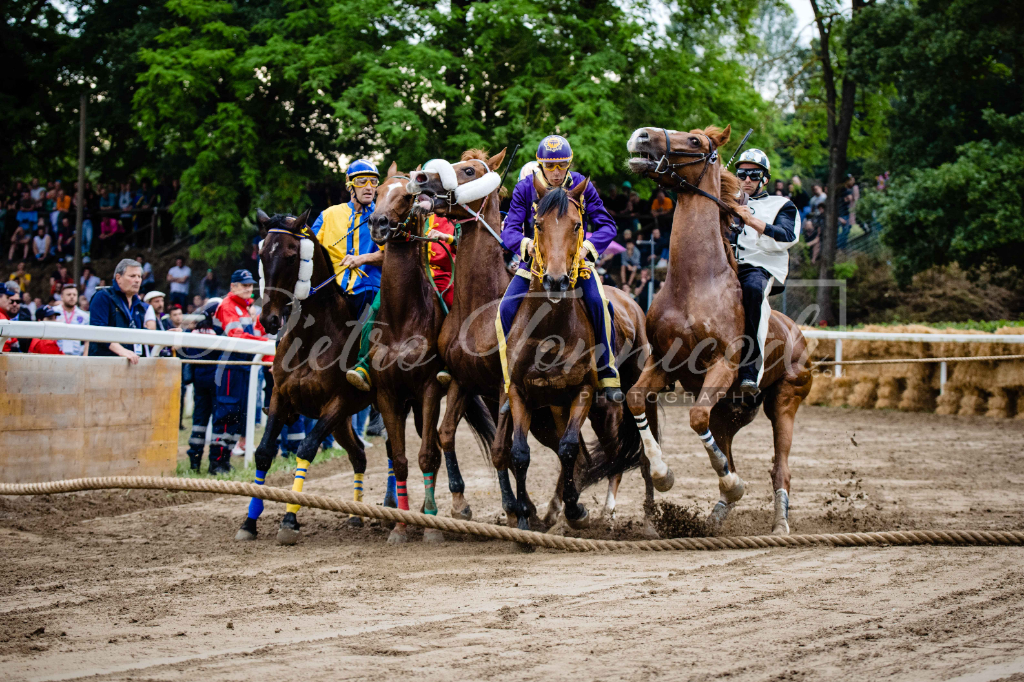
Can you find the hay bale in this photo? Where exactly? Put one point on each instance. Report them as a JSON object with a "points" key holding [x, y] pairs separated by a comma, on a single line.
{"points": [[918, 397], [948, 402], [998, 404], [888, 393], [1020, 404], [821, 390], [972, 402], [863, 396], [841, 389]]}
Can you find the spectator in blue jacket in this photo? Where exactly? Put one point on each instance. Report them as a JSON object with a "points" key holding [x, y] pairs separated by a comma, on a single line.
{"points": [[119, 306]]}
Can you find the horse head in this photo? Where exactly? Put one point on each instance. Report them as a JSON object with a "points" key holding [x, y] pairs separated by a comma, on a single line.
{"points": [[454, 187], [395, 207], [282, 270], [557, 234], [671, 156]]}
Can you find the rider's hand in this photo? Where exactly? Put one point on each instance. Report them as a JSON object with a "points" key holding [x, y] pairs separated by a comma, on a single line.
{"points": [[353, 261], [437, 234], [583, 253], [747, 216], [529, 247]]}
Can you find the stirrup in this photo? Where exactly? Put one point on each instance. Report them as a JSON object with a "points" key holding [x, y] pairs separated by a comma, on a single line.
{"points": [[444, 378], [358, 378]]}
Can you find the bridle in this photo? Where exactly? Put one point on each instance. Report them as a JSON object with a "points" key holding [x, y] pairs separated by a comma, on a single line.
{"points": [[577, 269], [707, 158], [297, 293], [450, 197]]}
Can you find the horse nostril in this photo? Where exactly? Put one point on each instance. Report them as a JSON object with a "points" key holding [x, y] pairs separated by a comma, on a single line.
{"points": [[563, 283], [643, 136], [548, 282]]}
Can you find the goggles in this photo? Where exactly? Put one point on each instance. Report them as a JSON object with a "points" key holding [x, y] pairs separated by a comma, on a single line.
{"points": [[751, 173], [363, 181], [555, 165]]}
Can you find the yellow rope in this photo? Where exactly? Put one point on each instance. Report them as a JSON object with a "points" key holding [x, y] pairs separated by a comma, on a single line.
{"points": [[911, 537], [577, 270]]}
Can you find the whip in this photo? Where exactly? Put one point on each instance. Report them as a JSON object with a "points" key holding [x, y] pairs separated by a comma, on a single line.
{"points": [[742, 142]]}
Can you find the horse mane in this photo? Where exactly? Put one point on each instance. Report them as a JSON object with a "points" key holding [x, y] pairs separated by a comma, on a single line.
{"points": [[479, 154], [729, 193], [280, 221], [555, 198]]}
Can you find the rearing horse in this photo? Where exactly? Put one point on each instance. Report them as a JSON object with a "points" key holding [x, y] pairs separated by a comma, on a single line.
{"points": [[695, 323]]}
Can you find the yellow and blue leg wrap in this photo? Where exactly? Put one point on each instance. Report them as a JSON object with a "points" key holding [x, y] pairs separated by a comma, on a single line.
{"points": [[357, 488], [301, 466], [256, 504]]}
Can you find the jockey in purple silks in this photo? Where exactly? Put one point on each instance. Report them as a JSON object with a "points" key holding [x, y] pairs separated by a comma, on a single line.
{"points": [[555, 156]]}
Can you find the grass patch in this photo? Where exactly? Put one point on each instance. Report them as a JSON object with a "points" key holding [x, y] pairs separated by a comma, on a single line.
{"points": [[240, 472]]}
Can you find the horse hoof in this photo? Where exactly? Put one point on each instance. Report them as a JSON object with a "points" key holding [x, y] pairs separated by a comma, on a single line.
{"points": [[580, 523], [649, 531], [732, 487], [717, 517], [432, 536], [665, 483], [781, 528], [464, 514], [398, 536], [511, 520], [247, 532], [354, 522], [288, 536]]}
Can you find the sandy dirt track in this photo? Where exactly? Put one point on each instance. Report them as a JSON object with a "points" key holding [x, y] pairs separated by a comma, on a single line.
{"points": [[150, 586]]}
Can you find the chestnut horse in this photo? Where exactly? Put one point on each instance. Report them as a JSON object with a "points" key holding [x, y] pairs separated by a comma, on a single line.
{"points": [[320, 342], [695, 323], [469, 342], [551, 356]]}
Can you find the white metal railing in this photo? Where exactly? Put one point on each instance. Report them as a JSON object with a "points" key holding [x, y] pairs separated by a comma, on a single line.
{"points": [[906, 337], [157, 339]]}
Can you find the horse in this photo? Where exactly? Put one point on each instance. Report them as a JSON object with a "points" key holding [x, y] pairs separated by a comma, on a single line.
{"points": [[320, 341], [468, 341], [404, 362], [695, 322], [551, 358]]}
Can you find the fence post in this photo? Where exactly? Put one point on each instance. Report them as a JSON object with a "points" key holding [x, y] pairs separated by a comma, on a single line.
{"points": [[839, 358], [942, 378], [250, 414]]}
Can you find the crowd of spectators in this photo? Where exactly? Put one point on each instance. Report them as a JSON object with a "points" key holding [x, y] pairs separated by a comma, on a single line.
{"points": [[38, 221]]}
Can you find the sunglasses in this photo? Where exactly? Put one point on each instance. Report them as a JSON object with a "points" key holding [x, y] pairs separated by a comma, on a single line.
{"points": [[552, 165], [364, 181], [753, 174]]}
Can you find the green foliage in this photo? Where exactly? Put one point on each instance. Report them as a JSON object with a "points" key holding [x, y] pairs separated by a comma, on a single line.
{"points": [[967, 211]]}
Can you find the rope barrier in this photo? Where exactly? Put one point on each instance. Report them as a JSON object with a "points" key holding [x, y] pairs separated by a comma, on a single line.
{"points": [[496, 532], [900, 361]]}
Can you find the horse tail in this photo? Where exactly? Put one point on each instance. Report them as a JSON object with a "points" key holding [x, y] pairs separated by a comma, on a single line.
{"points": [[482, 423], [625, 456]]}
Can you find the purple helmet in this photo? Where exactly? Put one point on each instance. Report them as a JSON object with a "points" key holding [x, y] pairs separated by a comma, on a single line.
{"points": [[554, 148]]}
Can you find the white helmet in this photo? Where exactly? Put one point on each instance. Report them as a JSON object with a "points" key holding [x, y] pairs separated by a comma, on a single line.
{"points": [[527, 170], [758, 158]]}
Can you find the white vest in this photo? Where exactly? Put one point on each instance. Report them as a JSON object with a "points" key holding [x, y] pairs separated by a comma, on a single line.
{"points": [[760, 249]]}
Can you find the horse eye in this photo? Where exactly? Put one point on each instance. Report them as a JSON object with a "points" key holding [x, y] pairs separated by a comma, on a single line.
{"points": [[578, 226], [693, 140], [470, 171]]}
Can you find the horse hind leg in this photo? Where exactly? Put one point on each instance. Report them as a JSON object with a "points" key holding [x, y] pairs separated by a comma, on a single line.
{"points": [[454, 410], [346, 437], [652, 380], [265, 453], [725, 422], [780, 406], [290, 530]]}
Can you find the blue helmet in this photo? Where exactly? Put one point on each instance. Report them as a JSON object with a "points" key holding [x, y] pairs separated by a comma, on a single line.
{"points": [[554, 148], [361, 167]]}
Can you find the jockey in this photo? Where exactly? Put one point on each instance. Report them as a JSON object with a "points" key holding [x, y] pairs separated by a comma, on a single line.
{"points": [[440, 266], [345, 232], [555, 156], [770, 229]]}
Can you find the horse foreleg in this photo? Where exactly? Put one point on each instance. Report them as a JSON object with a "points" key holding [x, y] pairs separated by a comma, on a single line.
{"points": [[555, 506], [454, 409], [346, 437], [289, 532], [394, 421], [521, 417], [642, 397], [430, 456], [730, 486], [501, 459], [265, 453], [568, 449]]}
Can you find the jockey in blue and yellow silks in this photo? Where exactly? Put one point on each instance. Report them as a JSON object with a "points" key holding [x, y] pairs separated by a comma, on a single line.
{"points": [[345, 232], [555, 156]]}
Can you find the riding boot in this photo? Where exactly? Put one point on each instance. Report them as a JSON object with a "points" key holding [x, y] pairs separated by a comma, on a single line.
{"points": [[359, 375]]}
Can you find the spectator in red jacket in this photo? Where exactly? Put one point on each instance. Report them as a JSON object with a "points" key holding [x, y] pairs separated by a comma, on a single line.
{"points": [[46, 346]]}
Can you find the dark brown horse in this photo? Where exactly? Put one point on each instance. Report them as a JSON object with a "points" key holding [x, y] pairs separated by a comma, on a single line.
{"points": [[469, 342], [695, 323], [551, 357], [320, 342], [403, 361]]}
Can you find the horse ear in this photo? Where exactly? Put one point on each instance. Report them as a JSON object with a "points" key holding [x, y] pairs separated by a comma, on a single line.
{"points": [[261, 218], [418, 168], [577, 191], [722, 138], [539, 185], [393, 169], [494, 163], [299, 223]]}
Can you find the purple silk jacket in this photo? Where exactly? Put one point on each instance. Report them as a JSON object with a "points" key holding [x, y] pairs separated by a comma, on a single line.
{"points": [[519, 221]]}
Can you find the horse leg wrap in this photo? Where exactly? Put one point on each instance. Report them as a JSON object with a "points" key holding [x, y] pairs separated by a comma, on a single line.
{"points": [[429, 505], [508, 498], [403, 495], [301, 466], [389, 492], [729, 483], [255, 503], [455, 483], [781, 525], [357, 490], [661, 475]]}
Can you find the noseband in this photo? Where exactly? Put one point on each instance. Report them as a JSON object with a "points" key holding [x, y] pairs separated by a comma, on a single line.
{"points": [[708, 158]]}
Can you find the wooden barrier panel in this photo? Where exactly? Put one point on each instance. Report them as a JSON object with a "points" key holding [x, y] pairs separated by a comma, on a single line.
{"points": [[70, 417]]}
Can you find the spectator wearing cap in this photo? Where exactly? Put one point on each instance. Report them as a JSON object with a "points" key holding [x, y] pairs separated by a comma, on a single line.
{"points": [[232, 319], [69, 313], [9, 305], [46, 346], [119, 306]]}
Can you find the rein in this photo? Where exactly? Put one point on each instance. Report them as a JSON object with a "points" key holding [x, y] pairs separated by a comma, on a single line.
{"points": [[577, 269], [708, 158]]}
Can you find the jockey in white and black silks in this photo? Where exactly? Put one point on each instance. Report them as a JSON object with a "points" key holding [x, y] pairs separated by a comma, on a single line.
{"points": [[762, 247], [554, 156]]}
